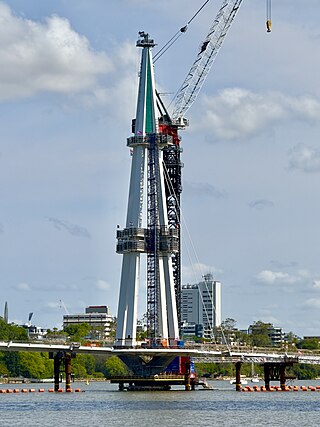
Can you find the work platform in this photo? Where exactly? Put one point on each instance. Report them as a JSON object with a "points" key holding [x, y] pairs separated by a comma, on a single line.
{"points": [[154, 382]]}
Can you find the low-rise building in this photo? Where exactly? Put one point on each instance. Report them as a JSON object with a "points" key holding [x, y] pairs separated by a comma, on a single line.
{"points": [[35, 332], [192, 330], [98, 317]]}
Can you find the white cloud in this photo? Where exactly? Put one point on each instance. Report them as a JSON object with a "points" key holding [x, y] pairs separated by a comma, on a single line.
{"points": [[48, 56], [237, 112], [312, 303], [53, 305], [197, 189], [304, 158], [102, 285], [316, 284], [304, 273], [261, 204], [23, 287], [276, 277], [194, 273], [73, 229]]}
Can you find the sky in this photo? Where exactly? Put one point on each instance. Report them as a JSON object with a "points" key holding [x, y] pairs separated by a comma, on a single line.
{"points": [[251, 195]]}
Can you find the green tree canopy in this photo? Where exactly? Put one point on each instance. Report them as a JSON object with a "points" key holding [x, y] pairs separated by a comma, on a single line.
{"points": [[260, 334], [115, 367], [229, 324], [11, 332], [28, 365], [308, 344], [77, 332]]}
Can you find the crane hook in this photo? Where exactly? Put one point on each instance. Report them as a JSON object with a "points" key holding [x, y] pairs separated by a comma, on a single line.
{"points": [[269, 26], [268, 16]]}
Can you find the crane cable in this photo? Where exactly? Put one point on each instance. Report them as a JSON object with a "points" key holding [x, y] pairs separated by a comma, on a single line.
{"points": [[182, 220], [177, 35]]}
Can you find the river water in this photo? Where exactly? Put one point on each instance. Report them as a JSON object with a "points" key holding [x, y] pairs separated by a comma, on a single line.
{"points": [[101, 404]]}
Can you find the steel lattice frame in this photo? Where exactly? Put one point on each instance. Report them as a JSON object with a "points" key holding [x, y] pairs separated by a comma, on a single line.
{"points": [[173, 165], [153, 280]]}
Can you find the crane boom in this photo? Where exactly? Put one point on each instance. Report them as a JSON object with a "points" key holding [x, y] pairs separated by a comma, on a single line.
{"points": [[205, 58]]}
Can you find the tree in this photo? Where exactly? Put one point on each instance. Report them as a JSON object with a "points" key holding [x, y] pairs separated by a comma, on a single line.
{"points": [[77, 332], [227, 330], [77, 368], [228, 324], [305, 372], [309, 344], [115, 367], [113, 327], [12, 332], [28, 365], [3, 367], [260, 334], [35, 365]]}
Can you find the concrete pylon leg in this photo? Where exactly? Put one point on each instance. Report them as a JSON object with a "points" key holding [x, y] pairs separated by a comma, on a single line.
{"points": [[238, 376], [282, 375], [56, 368], [266, 369], [67, 369], [187, 383]]}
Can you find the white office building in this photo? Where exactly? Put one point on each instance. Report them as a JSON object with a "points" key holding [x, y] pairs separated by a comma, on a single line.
{"points": [[98, 317], [201, 305]]}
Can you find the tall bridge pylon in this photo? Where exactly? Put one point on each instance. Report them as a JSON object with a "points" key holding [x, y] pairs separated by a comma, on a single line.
{"points": [[159, 241]]}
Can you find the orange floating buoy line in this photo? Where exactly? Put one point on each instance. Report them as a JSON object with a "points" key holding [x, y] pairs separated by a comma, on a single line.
{"points": [[256, 388], [40, 390]]}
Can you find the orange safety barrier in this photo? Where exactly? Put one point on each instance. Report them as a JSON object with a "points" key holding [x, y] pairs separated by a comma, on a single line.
{"points": [[24, 390], [32, 390], [50, 390], [77, 390], [41, 390], [16, 390], [9, 390]]}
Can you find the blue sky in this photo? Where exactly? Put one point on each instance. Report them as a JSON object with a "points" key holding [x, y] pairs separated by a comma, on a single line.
{"points": [[68, 85]]}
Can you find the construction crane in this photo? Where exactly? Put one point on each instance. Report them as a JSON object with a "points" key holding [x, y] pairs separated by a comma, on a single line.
{"points": [[185, 97], [62, 305], [208, 51]]}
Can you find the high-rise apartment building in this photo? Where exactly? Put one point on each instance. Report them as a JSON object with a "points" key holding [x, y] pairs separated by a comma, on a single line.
{"points": [[201, 305]]}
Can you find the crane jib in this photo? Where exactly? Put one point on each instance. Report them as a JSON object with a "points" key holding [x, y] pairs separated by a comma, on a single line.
{"points": [[205, 57]]}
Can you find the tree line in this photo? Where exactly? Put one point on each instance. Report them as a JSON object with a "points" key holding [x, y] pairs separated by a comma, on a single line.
{"points": [[39, 366]]}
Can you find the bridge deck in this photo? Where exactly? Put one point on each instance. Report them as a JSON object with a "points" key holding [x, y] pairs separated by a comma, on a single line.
{"points": [[203, 354]]}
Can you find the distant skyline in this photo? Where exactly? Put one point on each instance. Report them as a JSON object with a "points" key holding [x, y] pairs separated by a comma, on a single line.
{"points": [[250, 201]]}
